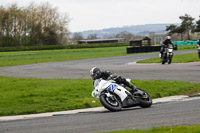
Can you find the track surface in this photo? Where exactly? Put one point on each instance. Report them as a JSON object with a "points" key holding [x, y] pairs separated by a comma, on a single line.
{"points": [[167, 114], [122, 65]]}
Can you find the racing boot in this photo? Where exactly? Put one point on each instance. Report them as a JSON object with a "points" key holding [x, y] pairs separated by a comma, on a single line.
{"points": [[127, 83], [132, 87], [161, 55]]}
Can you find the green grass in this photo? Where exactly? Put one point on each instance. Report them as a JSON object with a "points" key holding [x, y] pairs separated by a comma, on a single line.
{"points": [[68, 46], [31, 57], [28, 96], [25, 96], [187, 47], [176, 129], [185, 58]]}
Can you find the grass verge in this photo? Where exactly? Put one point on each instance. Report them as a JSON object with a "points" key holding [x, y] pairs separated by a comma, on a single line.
{"points": [[69, 46], [185, 58], [31, 57], [187, 47], [176, 129], [28, 96]]}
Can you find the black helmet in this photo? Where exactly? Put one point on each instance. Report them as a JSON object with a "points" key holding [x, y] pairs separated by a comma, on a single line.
{"points": [[95, 73]]}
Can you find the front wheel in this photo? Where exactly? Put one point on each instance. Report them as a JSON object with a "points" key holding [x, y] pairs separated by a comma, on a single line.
{"points": [[143, 97], [170, 59], [111, 102]]}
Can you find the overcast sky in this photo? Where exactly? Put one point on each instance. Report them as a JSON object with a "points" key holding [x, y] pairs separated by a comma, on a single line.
{"points": [[99, 14]]}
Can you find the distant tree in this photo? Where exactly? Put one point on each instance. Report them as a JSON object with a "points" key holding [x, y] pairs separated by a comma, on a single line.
{"points": [[198, 26], [180, 30], [77, 36], [50, 37], [126, 35], [92, 36], [187, 24], [171, 29], [197, 29], [32, 25]]}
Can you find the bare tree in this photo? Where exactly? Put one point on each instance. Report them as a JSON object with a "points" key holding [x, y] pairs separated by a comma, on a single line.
{"points": [[32, 25], [92, 36], [126, 35], [77, 36]]}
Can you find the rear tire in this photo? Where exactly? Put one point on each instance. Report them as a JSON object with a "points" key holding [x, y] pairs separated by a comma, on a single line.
{"points": [[110, 104], [163, 61], [145, 102]]}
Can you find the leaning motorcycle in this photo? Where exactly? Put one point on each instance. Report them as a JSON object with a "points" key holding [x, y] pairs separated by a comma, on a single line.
{"points": [[167, 54], [115, 96], [198, 48]]}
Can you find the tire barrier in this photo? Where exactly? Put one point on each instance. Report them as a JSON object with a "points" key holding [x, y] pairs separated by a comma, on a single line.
{"points": [[144, 49]]}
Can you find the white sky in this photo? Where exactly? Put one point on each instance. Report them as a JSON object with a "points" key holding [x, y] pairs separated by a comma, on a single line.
{"points": [[99, 14]]}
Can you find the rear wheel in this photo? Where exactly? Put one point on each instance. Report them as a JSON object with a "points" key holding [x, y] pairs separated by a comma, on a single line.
{"points": [[163, 61], [111, 102], [143, 97]]}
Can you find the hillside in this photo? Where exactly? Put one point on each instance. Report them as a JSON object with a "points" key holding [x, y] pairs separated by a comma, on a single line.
{"points": [[134, 29]]}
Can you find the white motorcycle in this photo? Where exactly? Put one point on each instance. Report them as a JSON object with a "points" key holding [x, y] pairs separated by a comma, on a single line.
{"points": [[114, 97], [167, 54], [198, 48]]}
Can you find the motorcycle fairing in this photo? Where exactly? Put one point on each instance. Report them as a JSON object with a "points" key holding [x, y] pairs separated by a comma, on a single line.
{"points": [[100, 85]]}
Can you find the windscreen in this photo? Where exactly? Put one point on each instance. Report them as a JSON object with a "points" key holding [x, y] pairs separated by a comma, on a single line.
{"points": [[96, 82]]}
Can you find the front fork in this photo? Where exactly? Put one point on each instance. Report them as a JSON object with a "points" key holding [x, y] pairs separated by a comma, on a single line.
{"points": [[170, 55], [111, 96]]}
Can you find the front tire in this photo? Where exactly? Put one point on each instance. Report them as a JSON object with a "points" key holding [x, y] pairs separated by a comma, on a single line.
{"points": [[113, 104], [170, 59]]}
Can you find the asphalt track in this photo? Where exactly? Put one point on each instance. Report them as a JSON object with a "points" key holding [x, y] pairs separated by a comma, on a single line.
{"points": [[166, 114], [122, 65]]}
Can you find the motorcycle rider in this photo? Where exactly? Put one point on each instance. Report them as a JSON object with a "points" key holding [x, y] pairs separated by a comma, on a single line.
{"points": [[198, 47], [97, 73], [165, 44]]}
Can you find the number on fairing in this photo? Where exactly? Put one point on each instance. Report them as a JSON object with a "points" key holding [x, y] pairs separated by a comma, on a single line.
{"points": [[112, 87]]}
